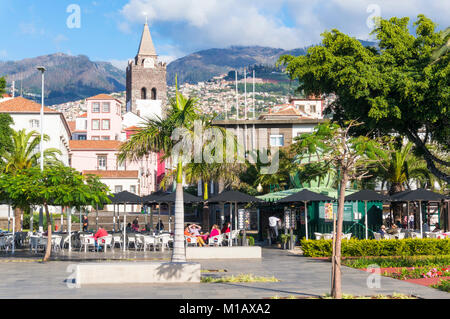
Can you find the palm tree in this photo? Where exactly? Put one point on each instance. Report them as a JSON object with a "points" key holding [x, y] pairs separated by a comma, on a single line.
{"points": [[155, 136], [24, 154]]}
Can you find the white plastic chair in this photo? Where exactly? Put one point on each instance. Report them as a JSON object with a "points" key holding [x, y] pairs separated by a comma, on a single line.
{"points": [[139, 242], [377, 236], [347, 236], [401, 235], [117, 239], [318, 235], [191, 240], [163, 241], [215, 240], [56, 242], [149, 241], [87, 241], [416, 235], [327, 236], [105, 242]]}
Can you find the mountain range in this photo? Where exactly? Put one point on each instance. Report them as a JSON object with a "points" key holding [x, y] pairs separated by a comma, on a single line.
{"points": [[70, 78]]}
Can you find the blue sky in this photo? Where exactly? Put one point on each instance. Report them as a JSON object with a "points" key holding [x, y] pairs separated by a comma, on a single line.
{"points": [[110, 30]]}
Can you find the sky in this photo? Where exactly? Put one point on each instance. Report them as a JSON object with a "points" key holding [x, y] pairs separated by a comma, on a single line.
{"points": [[110, 30]]}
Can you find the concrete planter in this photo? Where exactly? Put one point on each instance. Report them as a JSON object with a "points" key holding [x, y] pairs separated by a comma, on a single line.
{"points": [[136, 273], [239, 252]]}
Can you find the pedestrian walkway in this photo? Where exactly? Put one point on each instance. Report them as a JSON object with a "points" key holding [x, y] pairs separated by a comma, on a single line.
{"points": [[299, 276]]}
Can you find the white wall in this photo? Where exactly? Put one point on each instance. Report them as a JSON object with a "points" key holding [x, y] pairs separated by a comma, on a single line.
{"points": [[53, 127]]}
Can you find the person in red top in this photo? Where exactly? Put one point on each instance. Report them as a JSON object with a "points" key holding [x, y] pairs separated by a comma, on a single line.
{"points": [[101, 232], [226, 228]]}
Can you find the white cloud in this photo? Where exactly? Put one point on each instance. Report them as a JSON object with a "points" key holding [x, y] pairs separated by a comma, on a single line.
{"points": [[199, 24], [3, 54], [120, 64]]}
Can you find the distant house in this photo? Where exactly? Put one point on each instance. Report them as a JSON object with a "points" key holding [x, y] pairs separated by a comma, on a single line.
{"points": [[26, 115]]}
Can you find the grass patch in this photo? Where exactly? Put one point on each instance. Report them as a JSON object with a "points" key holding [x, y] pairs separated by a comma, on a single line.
{"points": [[239, 278], [443, 285]]}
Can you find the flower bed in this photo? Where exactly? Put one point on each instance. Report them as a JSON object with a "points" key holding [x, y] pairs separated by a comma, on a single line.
{"points": [[416, 273]]}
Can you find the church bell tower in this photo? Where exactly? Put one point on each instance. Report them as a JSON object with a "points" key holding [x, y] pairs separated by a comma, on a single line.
{"points": [[146, 93]]}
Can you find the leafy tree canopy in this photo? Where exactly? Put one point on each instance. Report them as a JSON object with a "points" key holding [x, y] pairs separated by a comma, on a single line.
{"points": [[398, 87]]}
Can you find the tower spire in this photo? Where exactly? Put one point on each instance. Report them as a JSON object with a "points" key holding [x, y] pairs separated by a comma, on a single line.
{"points": [[146, 47]]}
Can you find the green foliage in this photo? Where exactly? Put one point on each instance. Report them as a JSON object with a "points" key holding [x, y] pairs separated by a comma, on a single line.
{"points": [[356, 248], [5, 135], [443, 285], [395, 88], [60, 185], [403, 261]]}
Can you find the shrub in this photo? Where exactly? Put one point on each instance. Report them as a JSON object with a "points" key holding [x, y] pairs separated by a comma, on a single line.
{"points": [[371, 247]]}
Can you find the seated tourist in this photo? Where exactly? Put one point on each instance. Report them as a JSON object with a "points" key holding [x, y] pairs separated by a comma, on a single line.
{"points": [[194, 230], [215, 231], [436, 229], [393, 230], [101, 232], [226, 228], [382, 231]]}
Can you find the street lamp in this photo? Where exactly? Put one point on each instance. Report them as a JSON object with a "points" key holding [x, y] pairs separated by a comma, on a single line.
{"points": [[41, 217], [42, 69]]}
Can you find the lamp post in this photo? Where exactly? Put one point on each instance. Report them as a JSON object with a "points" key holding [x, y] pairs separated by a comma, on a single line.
{"points": [[42, 69]]}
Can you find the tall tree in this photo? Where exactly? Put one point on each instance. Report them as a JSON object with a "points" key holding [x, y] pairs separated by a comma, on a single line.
{"points": [[58, 185], [156, 136], [22, 154], [392, 88], [334, 147]]}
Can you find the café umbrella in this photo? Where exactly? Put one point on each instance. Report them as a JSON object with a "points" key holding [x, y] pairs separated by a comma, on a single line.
{"points": [[365, 196], [305, 196]]}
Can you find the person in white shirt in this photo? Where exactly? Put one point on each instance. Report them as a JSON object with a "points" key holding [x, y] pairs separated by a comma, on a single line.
{"points": [[273, 223]]}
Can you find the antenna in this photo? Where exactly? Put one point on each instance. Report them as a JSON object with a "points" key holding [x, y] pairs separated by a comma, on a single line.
{"points": [[13, 89], [237, 97], [245, 93], [254, 114]]}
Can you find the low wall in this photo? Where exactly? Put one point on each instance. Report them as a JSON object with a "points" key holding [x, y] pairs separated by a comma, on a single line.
{"points": [[136, 273], [238, 252]]}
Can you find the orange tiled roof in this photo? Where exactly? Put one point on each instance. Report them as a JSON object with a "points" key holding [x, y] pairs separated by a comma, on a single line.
{"points": [[22, 105], [94, 145], [113, 174], [83, 115], [6, 95], [132, 128], [101, 97], [72, 125]]}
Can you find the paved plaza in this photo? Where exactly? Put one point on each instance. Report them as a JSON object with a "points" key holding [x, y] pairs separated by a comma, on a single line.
{"points": [[26, 277]]}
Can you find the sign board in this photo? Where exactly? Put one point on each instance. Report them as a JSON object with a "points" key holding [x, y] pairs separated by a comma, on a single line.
{"points": [[243, 219], [328, 211], [289, 219]]}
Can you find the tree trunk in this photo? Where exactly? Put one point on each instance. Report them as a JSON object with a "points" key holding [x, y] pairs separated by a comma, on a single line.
{"points": [[179, 251], [336, 291], [205, 214], [17, 218], [396, 207], [48, 250]]}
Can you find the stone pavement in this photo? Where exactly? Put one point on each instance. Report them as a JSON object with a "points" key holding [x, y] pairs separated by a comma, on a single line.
{"points": [[298, 275]]}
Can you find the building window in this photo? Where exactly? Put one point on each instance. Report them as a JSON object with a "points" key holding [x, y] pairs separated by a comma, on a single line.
{"points": [[105, 124], [96, 107], [312, 108], [105, 107], [117, 188], [82, 137], [154, 94], [95, 124], [101, 162], [133, 189], [105, 138], [276, 140], [143, 94], [95, 138], [34, 123]]}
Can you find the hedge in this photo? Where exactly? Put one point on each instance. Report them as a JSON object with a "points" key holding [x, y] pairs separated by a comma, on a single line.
{"points": [[372, 247]]}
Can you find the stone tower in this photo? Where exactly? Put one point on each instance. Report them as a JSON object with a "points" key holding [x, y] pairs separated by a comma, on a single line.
{"points": [[146, 80]]}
